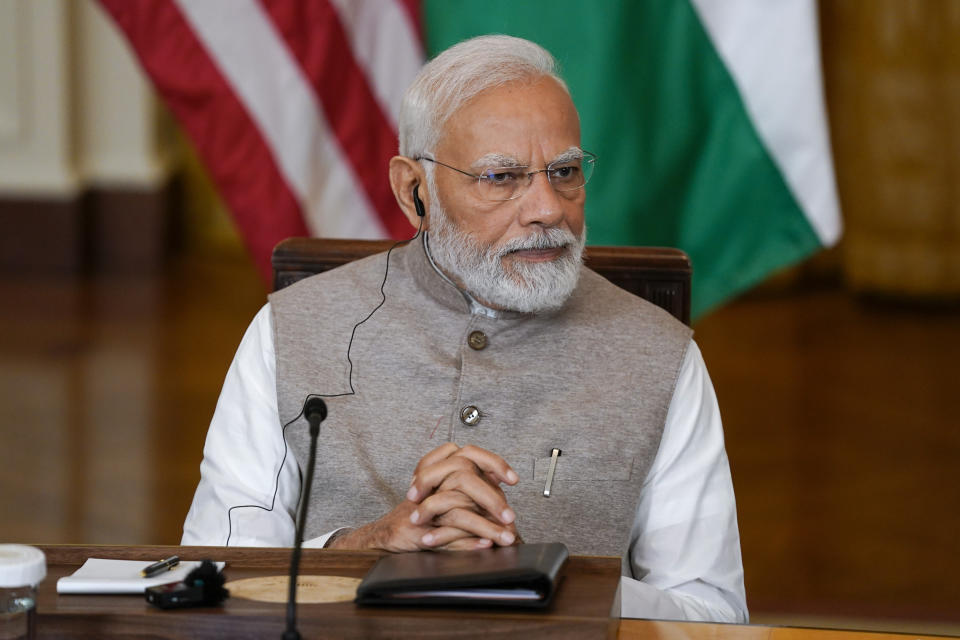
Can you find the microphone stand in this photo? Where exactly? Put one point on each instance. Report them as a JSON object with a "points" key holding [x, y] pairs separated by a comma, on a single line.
{"points": [[315, 410]]}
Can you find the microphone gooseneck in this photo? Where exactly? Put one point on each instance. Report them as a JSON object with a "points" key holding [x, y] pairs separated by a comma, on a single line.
{"points": [[315, 411]]}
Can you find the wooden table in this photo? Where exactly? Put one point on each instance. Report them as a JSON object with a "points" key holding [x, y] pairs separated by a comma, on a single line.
{"points": [[581, 609], [661, 630]]}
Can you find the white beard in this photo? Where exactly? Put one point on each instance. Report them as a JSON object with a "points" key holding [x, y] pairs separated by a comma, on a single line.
{"points": [[526, 286]]}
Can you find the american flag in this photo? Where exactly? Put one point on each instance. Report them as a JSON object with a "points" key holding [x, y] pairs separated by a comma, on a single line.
{"points": [[291, 104]]}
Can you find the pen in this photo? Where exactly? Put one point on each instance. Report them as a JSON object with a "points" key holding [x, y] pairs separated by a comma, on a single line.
{"points": [[554, 454], [159, 567]]}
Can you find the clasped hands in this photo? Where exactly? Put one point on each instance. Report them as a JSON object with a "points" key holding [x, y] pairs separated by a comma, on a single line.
{"points": [[454, 502]]}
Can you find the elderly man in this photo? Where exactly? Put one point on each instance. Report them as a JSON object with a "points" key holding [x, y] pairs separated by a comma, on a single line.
{"points": [[491, 355]]}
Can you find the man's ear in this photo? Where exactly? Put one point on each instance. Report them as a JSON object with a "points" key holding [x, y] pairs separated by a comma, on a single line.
{"points": [[406, 175]]}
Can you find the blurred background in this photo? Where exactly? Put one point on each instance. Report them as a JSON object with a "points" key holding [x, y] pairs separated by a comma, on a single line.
{"points": [[125, 288]]}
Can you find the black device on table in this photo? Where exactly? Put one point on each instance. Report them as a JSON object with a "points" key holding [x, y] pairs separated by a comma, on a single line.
{"points": [[203, 587]]}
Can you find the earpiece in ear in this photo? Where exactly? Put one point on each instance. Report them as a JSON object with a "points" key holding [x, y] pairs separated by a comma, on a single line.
{"points": [[417, 202]]}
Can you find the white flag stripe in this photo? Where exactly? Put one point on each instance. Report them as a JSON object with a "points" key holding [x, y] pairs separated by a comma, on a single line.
{"points": [[267, 79], [772, 52], [385, 44]]}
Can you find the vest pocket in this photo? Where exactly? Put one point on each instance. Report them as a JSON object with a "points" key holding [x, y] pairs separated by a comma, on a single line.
{"points": [[571, 468]]}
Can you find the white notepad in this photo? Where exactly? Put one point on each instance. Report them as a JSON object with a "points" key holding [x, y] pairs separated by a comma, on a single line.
{"points": [[120, 576]]}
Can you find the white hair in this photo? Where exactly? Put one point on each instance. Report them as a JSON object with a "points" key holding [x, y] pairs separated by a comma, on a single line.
{"points": [[459, 74]]}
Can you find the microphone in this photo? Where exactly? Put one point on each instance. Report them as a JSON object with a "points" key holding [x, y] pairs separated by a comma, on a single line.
{"points": [[315, 411]]}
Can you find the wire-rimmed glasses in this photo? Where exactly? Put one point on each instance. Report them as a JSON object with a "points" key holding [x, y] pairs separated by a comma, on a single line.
{"points": [[501, 183]]}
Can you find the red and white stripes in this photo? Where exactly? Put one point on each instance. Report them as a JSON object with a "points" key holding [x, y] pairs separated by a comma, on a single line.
{"points": [[291, 104]]}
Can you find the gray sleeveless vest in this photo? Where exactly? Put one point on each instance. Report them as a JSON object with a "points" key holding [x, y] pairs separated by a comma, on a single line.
{"points": [[594, 379]]}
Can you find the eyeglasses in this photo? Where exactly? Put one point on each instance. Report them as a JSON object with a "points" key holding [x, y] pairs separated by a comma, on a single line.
{"points": [[499, 184]]}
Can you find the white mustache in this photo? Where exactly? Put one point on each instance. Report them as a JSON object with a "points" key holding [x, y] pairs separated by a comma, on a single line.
{"points": [[549, 239]]}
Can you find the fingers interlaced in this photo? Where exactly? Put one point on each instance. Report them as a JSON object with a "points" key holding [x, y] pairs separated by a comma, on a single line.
{"points": [[460, 499], [460, 475], [489, 462], [446, 460], [440, 453]]}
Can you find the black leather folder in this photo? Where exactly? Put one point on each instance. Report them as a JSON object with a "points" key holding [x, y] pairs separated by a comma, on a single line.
{"points": [[522, 576]]}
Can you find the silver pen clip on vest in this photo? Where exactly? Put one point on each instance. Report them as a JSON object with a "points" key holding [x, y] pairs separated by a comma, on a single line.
{"points": [[554, 454]]}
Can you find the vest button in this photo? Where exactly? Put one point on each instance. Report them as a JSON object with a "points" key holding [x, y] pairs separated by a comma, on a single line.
{"points": [[477, 340], [470, 415]]}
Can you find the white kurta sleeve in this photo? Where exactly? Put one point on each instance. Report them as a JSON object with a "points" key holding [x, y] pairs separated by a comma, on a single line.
{"points": [[249, 480], [684, 561]]}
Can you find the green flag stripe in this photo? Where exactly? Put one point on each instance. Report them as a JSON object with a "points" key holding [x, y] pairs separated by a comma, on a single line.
{"points": [[680, 161]]}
